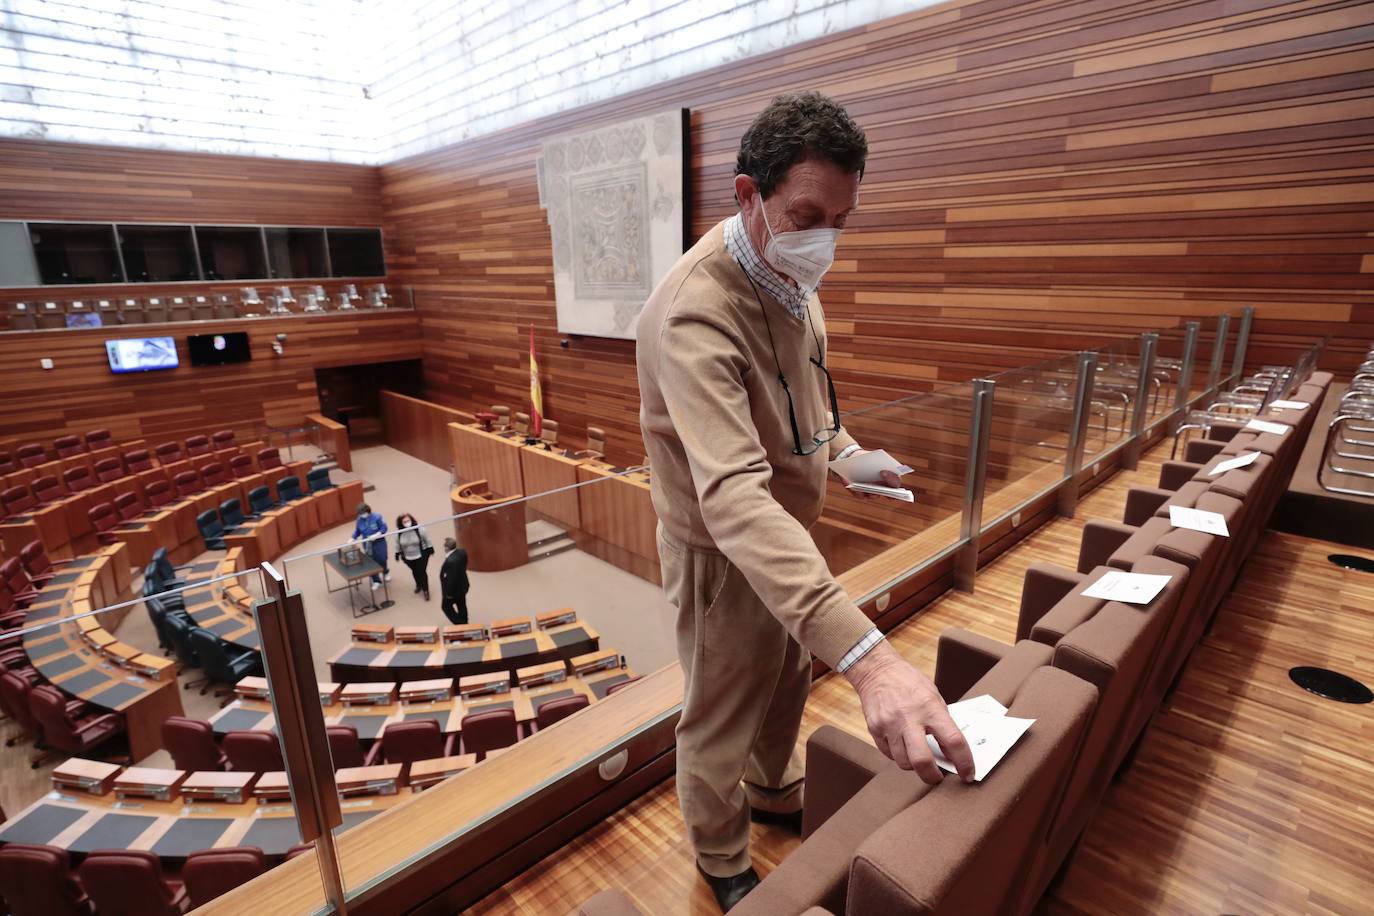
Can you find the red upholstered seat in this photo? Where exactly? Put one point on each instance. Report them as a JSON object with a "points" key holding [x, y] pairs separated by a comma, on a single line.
{"points": [[98, 438], [559, 709], [7, 462], [104, 519], [188, 483], [65, 732], [14, 697], [18, 500], [406, 742], [108, 469], [68, 446], [488, 731], [16, 579], [37, 881], [241, 466], [78, 479], [616, 688], [224, 440], [31, 454], [213, 474], [129, 882], [344, 748], [159, 493], [129, 506], [197, 446], [138, 460], [269, 458], [299, 849], [46, 489], [212, 872], [37, 563], [170, 453], [253, 752], [191, 742]]}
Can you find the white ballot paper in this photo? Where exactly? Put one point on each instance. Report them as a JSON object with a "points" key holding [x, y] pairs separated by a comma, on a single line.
{"points": [[901, 493], [1245, 459], [989, 731], [1132, 588], [867, 467], [1198, 520], [1291, 405], [1263, 426]]}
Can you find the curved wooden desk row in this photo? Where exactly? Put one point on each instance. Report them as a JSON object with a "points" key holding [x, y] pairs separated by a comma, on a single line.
{"points": [[400, 662], [369, 719], [121, 680], [278, 530]]}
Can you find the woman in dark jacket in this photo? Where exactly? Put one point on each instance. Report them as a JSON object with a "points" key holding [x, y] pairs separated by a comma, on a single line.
{"points": [[414, 548]]}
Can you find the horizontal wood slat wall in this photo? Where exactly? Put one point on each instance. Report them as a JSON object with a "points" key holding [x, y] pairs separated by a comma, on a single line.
{"points": [[81, 393], [1044, 176]]}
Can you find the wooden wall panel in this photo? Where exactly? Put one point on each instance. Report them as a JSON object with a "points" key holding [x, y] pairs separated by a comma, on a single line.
{"points": [[1043, 177], [81, 393]]}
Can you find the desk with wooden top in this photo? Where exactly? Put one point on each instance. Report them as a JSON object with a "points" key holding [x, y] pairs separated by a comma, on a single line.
{"points": [[400, 662], [491, 528], [493, 457], [74, 656], [277, 530]]}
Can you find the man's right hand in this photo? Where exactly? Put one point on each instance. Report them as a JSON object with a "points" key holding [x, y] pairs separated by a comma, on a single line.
{"points": [[902, 706]]}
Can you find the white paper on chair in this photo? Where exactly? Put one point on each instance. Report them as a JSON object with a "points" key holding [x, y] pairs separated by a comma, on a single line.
{"points": [[899, 493], [1264, 426], [867, 467], [1198, 520], [1245, 459], [989, 731], [1132, 588], [1291, 405]]}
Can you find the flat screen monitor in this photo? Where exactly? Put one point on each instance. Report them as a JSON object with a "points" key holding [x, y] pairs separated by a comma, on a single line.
{"points": [[83, 320], [218, 349], [140, 354]]}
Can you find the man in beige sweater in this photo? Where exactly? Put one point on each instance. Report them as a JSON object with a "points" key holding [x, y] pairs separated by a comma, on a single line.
{"points": [[739, 419]]}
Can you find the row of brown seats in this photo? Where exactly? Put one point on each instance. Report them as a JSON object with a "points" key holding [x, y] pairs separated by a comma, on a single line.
{"points": [[1090, 672]]}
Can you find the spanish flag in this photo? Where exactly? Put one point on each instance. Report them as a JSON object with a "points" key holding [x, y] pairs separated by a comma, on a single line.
{"points": [[536, 396]]}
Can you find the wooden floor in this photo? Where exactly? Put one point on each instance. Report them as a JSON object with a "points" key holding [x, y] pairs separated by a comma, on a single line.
{"points": [[1248, 796]]}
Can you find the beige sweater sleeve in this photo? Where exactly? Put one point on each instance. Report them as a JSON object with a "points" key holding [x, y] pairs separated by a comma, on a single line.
{"points": [[701, 374]]}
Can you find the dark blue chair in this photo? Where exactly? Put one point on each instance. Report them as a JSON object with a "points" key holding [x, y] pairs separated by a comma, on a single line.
{"points": [[219, 665], [231, 515], [164, 573], [289, 489], [211, 529], [260, 500], [179, 629], [318, 479]]}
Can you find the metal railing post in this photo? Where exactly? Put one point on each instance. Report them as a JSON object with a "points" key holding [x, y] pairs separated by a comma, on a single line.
{"points": [[1247, 317], [1183, 397], [1218, 353], [1078, 432], [285, 645], [975, 482], [1130, 456]]}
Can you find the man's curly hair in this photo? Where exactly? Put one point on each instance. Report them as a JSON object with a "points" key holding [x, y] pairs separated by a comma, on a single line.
{"points": [[794, 128]]}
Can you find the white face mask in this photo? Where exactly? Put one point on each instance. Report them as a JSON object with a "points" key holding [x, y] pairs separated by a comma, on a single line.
{"points": [[804, 254]]}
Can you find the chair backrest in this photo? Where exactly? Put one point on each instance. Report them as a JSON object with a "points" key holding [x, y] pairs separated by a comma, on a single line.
{"points": [[191, 742], [128, 506], [7, 462], [241, 466], [103, 517], [212, 872], [502, 415], [198, 445], [37, 881], [46, 489], [344, 748], [269, 458], [49, 708], [35, 560], [210, 528], [406, 742], [68, 445], [318, 479], [137, 460], [260, 499], [31, 454], [253, 752], [288, 489], [78, 479], [231, 513], [559, 709], [162, 565], [14, 688], [488, 731], [127, 882], [213, 474], [223, 440], [214, 657], [180, 632], [13, 574], [548, 431], [18, 499], [521, 422], [159, 493], [596, 439], [108, 469], [169, 452], [98, 438], [616, 688], [187, 483]]}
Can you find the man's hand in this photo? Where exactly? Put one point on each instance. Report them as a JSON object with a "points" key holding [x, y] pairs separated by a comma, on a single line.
{"points": [[901, 706], [887, 478]]}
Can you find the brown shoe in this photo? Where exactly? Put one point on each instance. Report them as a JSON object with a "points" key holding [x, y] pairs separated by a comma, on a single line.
{"points": [[730, 891]]}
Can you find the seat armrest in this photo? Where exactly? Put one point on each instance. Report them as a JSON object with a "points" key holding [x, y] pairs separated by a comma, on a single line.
{"points": [[1100, 540], [374, 753], [1143, 502], [1201, 451], [450, 744], [1174, 474], [961, 658], [838, 765], [1044, 586], [107, 720]]}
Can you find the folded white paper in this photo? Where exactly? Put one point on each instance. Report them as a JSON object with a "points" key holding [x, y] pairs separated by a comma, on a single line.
{"points": [[1132, 588], [868, 467], [1245, 459], [1198, 520], [989, 731], [1263, 426], [901, 493], [1291, 405]]}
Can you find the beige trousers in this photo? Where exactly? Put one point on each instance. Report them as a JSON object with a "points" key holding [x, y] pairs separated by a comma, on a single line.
{"points": [[746, 685]]}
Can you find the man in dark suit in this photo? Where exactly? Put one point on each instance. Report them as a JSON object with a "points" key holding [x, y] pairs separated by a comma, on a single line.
{"points": [[453, 582]]}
